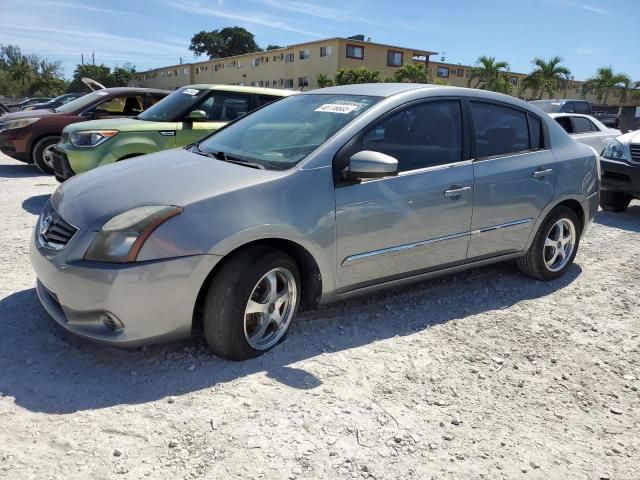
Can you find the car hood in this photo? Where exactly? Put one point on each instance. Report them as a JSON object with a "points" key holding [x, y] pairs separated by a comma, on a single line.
{"points": [[28, 114], [171, 177], [631, 137], [121, 124]]}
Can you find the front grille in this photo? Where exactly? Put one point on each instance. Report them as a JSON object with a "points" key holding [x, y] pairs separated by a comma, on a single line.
{"points": [[53, 231], [635, 152]]}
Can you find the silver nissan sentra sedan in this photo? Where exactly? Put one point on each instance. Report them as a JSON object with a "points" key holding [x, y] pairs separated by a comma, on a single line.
{"points": [[312, 199]]}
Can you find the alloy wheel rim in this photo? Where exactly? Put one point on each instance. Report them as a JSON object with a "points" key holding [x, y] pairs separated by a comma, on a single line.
{"points": [[270, 308], [47, 157], [559, 244]]}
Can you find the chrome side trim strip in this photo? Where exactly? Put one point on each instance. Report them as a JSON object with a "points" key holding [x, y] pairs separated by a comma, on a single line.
{"points": [[361, 257], [502, 225], [383, 252]]}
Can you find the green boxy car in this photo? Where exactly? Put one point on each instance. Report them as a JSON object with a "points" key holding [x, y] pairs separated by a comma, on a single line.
{"points": [[183, 117]]}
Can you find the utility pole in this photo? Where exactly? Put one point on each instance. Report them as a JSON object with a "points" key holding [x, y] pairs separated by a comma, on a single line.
{"points": [[82, 58], [93, 57]]}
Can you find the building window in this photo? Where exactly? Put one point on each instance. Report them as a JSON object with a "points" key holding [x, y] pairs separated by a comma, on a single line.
{"points": [[255, 62], [288, 58], [288, 83], [240, 64], [216, 67], [175, 72], [304, 54], [325, 51], [394, 58], [184, 71], [460, 72], [355, 51], [513, 80], [197, 70], [443, 72], [254, 84], [303, 82]]}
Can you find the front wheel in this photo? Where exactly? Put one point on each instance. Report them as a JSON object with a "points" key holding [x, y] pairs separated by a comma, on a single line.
{"points": [[42, 156], [251, 302], [554, 247], [614, 201]]}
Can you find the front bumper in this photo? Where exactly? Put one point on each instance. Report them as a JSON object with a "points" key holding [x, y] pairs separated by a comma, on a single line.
{"points": [[61, 166], [154, 300], [619, 176], [14, 146]]}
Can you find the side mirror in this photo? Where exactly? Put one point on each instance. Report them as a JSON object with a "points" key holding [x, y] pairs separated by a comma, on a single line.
{"points": [[197, 116], [370, 164]]}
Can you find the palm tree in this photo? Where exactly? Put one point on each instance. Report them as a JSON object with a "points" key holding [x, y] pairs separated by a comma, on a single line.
{"points": [[489, 74], [324, 81], [412, 73], [357, 75], [21, 71], [605, 81], [548, 76]]}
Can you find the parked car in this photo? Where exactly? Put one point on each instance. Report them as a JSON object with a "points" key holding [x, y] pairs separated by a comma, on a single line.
{"points": [[314, 198], [620, 164], [54, 102], [29, 136], [183, 117], [14, 107], [560, 105], [586, 129]]}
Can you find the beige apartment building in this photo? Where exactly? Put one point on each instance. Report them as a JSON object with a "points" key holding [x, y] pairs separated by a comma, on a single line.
{"points": [[298, 66]]}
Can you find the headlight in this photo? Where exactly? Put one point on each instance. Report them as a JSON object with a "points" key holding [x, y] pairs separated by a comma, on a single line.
{"points": [[91, 138], [23, 122], [122, 237], [615, 151]]}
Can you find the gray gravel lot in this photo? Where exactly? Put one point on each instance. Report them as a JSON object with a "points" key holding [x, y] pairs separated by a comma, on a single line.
{"points": [[484, 374]]}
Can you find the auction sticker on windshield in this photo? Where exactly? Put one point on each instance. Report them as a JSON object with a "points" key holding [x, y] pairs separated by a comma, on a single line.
{"points": [[337, 108], [190, 91]]}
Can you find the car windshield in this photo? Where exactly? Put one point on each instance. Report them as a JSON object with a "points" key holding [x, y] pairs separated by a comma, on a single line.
{"points": [[548, 106], [281, 134], [175, 106], [82, 102]]}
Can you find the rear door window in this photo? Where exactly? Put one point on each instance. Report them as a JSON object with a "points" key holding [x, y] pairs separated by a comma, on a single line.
{"points": [[583, 125], [500, 130], [419, 136]]}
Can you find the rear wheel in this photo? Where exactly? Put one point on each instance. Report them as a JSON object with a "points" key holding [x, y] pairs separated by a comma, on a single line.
{"points": [[251, 302], [42, 153], [554, 247], [614, 201]]}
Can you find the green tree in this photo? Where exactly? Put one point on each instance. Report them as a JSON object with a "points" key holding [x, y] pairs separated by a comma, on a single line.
{"points": [[351, 76], [412, 73], [102, 74], [324, 81], [606, 80], [489, 74], [273, 47], [121, 76], [547, 76], [226, 42]]}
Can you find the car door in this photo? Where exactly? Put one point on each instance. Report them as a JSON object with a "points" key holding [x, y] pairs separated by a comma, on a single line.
{"points": [[219, 108], [515, 177], [419, 219]]}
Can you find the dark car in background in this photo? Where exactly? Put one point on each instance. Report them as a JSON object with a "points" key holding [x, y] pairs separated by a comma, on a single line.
{"points": [[14, 107], [54, 102], [29, 136], [560, 105]]}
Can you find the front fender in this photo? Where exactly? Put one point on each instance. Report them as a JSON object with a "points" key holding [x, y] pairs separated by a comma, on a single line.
{"points": [[131, 145]]}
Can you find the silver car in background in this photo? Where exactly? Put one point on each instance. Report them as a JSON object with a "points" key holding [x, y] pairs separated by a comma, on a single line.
{"points": [[586, 129], [318, 197]]}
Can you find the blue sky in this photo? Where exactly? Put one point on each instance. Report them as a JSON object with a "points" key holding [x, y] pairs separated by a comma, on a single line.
{"points": [[586, 33]]}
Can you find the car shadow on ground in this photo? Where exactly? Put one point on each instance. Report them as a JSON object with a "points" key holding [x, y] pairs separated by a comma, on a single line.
{"points": [[48, 370], [627, 220], [35, 204], [22, 170]]}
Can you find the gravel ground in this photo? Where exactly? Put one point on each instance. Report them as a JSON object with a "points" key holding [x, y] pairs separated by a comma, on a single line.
{"points": [[484, 374]]}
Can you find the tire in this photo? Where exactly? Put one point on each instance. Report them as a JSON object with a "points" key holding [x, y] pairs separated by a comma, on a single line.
{"points": [[535, 262], [228, 330], [40, 150], [60, 179], [614, 201]]}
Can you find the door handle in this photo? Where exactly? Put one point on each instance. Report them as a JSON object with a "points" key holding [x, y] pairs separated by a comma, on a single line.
{"points": [[456, 191], [543, 173]]}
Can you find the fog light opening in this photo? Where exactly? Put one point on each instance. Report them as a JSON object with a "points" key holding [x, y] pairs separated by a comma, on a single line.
{"points": [[112, 322]]}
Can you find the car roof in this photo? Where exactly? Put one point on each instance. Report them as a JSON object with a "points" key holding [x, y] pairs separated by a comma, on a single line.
{"points": [[277, 92], [373, 89], [569, 114], [118, 90]]}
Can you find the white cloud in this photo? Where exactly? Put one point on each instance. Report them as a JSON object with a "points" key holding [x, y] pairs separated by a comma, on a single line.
{"points": [[307, 8], [240, 16], [77, 6], [578, 5]]}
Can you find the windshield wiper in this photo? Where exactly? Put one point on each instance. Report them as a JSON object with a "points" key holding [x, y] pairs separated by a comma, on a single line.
{"points": [[225, 157]]}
